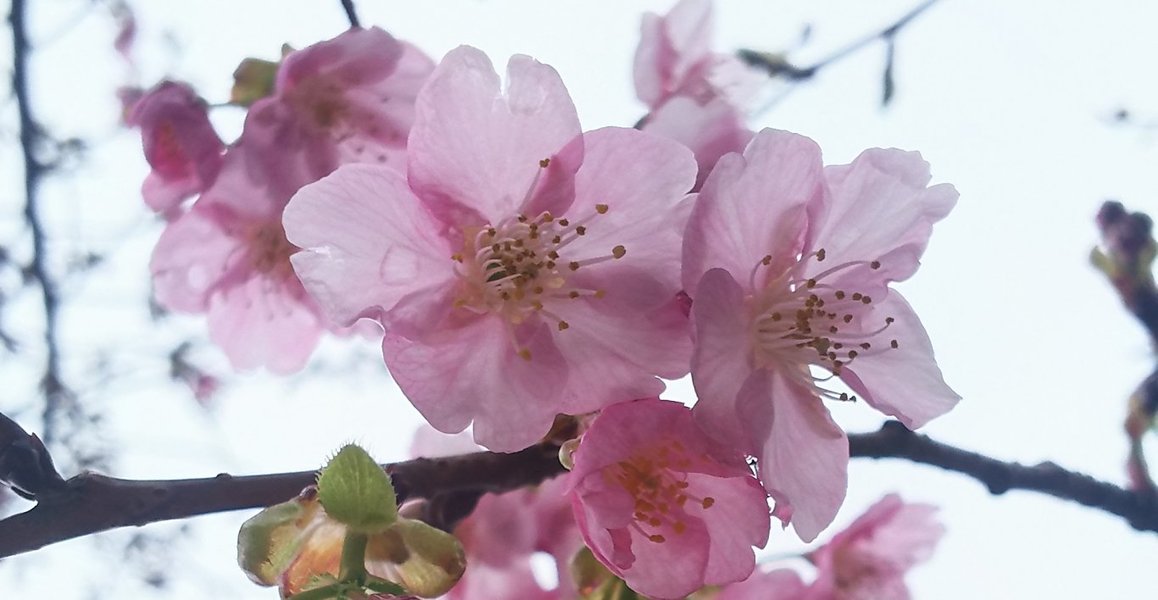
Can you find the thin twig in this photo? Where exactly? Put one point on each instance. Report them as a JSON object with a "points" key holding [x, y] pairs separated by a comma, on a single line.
{"points": [[56, 394], [775, 65], [351, 13], [91, 503]]}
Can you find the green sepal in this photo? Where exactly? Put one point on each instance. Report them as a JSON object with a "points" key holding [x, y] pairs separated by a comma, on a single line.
{"points": [[252, 80], [356, 492], [268, 541]]}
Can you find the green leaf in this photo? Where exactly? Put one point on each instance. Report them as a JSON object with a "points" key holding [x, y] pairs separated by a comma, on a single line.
{"points": [[356, 492]]}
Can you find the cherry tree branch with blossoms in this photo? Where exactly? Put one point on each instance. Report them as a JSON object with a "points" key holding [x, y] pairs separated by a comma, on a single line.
{"points": [[89, 503]]}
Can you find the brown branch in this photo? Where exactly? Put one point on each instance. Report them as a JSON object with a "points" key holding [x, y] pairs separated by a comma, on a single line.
{"points": [[91, 503]]}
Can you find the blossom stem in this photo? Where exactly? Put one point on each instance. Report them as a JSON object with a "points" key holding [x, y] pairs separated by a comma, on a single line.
{"points": [[353, 566]]}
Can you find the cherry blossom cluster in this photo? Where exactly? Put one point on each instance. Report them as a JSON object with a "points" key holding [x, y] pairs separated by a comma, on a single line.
{"points": [[520, 268]]}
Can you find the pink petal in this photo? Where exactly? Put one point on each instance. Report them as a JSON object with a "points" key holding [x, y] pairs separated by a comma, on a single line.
{"points": [[904, 382], [474, 373], [476, 149], [370, 248], [189, 260], [671, 570], [804, 457], [781, 584], [879, 208], [644, 180], [612, 357], [753, 206], [721, 359], [671, 48], [264, 323], [709, 131], [737, 520]]}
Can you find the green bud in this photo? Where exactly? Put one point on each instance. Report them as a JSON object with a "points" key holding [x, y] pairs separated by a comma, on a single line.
{"points": [[268, 542], [426, 561], [356, 492]]}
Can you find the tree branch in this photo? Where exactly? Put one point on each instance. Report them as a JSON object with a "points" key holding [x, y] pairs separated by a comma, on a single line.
{"points": [[893, 440], [351, 13], [775, 65], [90, 503], [32, 138]]}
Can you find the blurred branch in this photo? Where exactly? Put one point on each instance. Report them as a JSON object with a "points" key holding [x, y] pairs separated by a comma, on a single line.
{"points": [[351, 13], [32, 141], [776, 65], [90, 503]]}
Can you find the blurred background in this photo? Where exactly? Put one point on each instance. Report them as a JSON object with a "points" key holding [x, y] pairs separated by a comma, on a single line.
{"points": [[1037, 112]]}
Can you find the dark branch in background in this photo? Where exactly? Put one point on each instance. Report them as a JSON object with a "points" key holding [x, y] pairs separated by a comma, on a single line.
{"points": [[351, 13], [91, 503], [775, 65], [57, 397]]}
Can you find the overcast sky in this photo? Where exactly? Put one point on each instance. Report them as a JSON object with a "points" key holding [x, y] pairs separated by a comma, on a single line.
{"points": [[1008, 101]]}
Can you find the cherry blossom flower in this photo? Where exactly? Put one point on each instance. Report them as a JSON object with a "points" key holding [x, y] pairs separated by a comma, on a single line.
{"points": [[675, 58], [790, 264], [663, 506], [228, 257], [179, 142], [866, 561], [869, 559], [349, 99], [520, 269]]}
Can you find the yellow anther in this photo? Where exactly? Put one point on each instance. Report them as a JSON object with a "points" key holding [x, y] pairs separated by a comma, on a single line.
{"points": [[618, 251], [601, 208]]}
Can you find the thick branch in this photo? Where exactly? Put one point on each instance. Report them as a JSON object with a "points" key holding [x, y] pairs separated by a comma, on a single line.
{"points": [[92, 503], [56, 395]]}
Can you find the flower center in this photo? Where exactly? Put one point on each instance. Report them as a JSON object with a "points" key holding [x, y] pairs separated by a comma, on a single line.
{"points": [[519, 267], [804, 321], [656, 478], [269, 250]]}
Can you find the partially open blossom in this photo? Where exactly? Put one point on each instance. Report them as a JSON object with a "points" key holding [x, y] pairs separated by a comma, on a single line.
{"points": [[349, 99], [675, 58], [520, 268], [663, 506], [180, 145], [790, 263], [228, 257], [869, 559]]}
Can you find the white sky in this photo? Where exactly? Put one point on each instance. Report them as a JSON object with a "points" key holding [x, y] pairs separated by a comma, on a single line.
{"points": [[1009, 101]]}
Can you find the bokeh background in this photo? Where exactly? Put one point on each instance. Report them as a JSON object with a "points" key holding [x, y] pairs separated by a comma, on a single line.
{"points": [[1016, 103]]}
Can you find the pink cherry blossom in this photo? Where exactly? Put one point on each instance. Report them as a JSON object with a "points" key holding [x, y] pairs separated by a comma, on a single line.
{"points": [[521, 269], [866, 561], [349, 99], [790, 262], [709, 131], [869, 559], [180, 145], [663, 506], [228, 257], [675, 58]]}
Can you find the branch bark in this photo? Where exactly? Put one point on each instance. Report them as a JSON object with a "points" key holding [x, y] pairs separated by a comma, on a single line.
{"points": [[90, 503]]}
